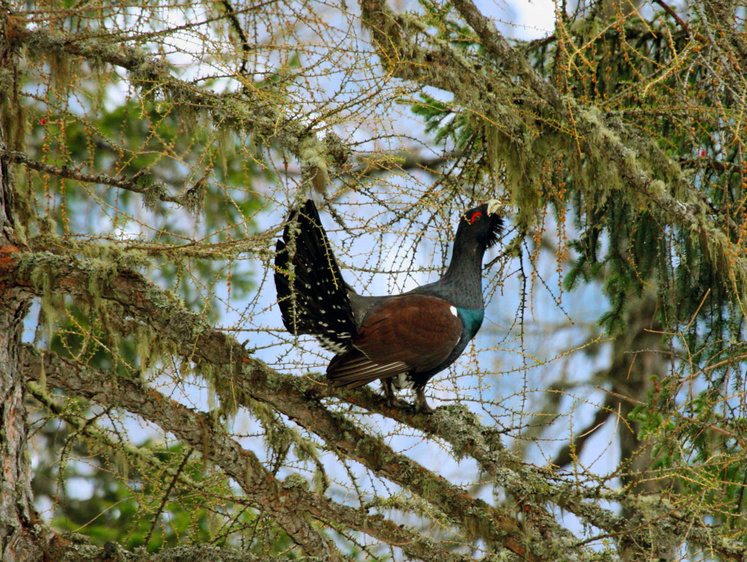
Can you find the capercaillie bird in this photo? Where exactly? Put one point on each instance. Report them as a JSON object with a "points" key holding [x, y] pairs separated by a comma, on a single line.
{"points": [[404, 339]]}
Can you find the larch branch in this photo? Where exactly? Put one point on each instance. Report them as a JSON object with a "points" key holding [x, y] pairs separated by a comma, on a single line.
{"points": [[241, 378], [284, 501], [525, 107], [155, 190]]}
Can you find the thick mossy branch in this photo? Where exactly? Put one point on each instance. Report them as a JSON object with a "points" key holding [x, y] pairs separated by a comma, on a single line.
{"points": [[190, 428], [240, 379], [286, 501]]}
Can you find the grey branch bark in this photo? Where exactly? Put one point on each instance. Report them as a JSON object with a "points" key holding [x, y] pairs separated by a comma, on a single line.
{"points": [[239, 377], [287, 502]]}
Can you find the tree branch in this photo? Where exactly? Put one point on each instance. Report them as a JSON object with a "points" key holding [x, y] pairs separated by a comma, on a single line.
{"points": [[156, 191], [284, 501], [245, 111], [571, 451], [255, 244], [239, 379], [683, 24], [194, 429], [517, 64], [600, 147]]}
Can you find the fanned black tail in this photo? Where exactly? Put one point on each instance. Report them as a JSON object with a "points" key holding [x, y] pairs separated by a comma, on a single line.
{"points": [[312, 296]]}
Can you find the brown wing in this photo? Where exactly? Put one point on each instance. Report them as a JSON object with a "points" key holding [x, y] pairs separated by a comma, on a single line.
{"points": [[407, 333]]}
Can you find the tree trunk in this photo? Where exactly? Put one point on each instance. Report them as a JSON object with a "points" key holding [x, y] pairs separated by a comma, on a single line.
{"points": [[16, 511], [17, 526], [640, 357]]}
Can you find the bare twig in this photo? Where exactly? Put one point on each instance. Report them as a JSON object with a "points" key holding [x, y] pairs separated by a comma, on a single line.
{"points": [[155, 190], [683, 24], [166, 495]]}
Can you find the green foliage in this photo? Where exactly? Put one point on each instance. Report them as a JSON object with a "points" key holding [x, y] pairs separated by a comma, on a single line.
{"points": [[130, 171], [156, 144], [94, 494], [114, 513], [448, 123], [652, 82], [108, 497]]}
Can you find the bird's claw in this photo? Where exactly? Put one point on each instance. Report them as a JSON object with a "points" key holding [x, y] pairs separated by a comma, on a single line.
{"points": [[421, 404]]}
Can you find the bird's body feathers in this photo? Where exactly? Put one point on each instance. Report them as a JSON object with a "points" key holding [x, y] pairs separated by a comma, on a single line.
{"points": [[405, 339]]}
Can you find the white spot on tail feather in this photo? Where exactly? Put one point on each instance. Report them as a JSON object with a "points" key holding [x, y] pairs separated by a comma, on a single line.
{"points": [[331, 345]]}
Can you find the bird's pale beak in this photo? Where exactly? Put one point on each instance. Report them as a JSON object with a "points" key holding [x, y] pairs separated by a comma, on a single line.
{"points": [[496, 207]]}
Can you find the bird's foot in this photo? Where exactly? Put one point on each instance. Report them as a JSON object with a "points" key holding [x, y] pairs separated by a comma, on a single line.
{"points": [[421, 404], [391, 399]]}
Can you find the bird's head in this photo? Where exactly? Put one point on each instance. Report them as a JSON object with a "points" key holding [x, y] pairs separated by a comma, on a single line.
{"points": [[483, 223]]}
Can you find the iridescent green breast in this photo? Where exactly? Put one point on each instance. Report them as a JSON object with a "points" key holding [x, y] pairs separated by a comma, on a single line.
{"points": [[472, 319]]}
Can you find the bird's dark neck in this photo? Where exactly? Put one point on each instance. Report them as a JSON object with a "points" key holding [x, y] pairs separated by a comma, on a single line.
{"points": [[462, 282]]}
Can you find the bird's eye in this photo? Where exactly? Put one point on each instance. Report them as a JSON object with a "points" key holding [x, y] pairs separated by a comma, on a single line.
{"points": [[474, 218]]}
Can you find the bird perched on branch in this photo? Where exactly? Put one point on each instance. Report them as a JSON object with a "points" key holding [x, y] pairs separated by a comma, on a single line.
{"points": [[405, 339]]}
